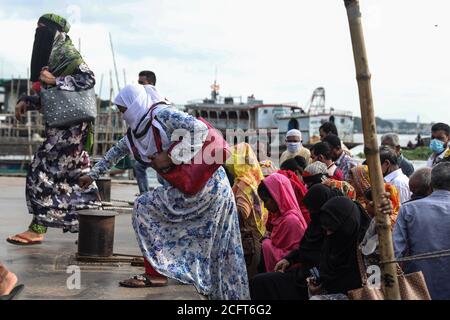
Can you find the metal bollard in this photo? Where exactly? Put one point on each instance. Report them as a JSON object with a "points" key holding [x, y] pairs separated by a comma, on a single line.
{"points": [[96, 233]]}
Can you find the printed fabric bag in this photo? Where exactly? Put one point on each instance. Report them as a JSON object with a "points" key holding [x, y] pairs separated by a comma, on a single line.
{"points": [[412, 285]]}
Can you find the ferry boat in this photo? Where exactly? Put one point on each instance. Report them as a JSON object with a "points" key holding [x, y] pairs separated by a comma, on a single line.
{"points": [[253, 115]]}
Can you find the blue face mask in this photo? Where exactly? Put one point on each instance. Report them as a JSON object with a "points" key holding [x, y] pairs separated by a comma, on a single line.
{"points": [[293, 147], [437, 146]]}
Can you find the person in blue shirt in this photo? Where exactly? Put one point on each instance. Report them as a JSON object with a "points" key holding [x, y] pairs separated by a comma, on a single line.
{"points": [[423, 226]]}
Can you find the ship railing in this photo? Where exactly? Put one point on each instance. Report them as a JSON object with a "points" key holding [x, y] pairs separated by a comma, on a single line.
{"points": [[329, 111]]}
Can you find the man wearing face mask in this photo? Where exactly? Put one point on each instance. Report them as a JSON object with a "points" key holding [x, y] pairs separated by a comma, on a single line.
{"points": [[295, 147], [440, 137], [393, 174]]}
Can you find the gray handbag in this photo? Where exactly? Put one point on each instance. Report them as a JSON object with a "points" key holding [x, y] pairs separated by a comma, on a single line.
{"points": [[63, 108]]}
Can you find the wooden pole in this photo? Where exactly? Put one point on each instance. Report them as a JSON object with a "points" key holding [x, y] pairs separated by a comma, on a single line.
{"points": [[108, 138], [389, 273], [95, 149], [114, 61], [30, 148]]}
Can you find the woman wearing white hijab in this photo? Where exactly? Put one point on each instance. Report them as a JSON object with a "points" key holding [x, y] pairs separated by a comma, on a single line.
{"points": [[192, 238]]}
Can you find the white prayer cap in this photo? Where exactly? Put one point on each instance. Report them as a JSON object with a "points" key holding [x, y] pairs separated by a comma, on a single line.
{"points": [[294, 133]]}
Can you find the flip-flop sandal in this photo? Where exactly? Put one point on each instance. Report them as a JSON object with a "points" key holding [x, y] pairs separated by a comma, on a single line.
{"points": [[13, 294], [141, 281], [28, 242]]}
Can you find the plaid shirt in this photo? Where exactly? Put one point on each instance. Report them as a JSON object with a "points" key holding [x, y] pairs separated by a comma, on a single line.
{"points": [[346, 163]]}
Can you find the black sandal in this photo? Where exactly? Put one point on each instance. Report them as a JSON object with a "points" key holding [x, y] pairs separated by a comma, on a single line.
{"points": [[141, 281]]}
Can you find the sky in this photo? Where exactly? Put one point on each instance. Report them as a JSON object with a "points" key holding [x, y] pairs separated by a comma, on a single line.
{"points": [[280, 51]]}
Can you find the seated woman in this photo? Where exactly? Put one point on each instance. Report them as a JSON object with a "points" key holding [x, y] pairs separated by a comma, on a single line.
{"points": [[246, 176], [293, 170], [195, 238], [288, 222], [360, 180], [288, 280], [345, 224], [8, 281], [317, 172]]}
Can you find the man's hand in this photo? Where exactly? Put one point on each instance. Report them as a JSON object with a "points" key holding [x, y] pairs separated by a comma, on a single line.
{"points": [[21, 108], [385, 206], [47, 77], [282, 265], [85, 181], [161, 162]]}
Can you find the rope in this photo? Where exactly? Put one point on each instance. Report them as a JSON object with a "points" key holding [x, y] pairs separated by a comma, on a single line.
{"points": [[120, 208], [123, 201], [422, 256]]}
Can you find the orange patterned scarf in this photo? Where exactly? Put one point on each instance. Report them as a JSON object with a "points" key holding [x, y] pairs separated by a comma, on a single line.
{"points": [[360, 180]]}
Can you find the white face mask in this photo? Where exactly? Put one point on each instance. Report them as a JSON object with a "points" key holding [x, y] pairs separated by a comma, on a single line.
{"points": [[293, 146]]}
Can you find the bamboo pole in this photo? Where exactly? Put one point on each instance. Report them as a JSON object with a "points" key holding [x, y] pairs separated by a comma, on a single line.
{"points": [[108, 138], [30, 148], [99, 102], [114, 61], [389, 273]]}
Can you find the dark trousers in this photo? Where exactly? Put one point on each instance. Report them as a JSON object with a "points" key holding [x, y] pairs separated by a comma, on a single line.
{"points": [[278, 286]]}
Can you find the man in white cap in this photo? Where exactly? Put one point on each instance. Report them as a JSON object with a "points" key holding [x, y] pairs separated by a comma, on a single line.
{"points": [[295, 147]]}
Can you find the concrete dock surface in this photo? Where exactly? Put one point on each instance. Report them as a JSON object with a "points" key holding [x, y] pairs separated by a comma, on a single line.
{"points": [[43, 269]]}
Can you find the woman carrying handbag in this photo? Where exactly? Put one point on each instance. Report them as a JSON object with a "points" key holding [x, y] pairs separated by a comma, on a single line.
{"points": [[188, 228], [52, 192]]}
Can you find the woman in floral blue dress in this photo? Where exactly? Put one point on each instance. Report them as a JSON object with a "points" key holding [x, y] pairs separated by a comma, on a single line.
{"points": [[52, 192], [192, 238]]}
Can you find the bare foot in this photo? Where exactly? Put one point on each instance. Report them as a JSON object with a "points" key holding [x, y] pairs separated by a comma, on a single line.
{"points": [[158, 280], [7, 281], [30, 235]]}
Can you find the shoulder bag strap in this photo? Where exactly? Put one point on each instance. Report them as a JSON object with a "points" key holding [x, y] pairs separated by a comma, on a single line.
{"points": [[139, 135], [362, 266], [134, 150]]}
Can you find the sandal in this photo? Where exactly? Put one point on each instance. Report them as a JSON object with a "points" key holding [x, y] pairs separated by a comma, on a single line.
{"points": [[13, 294], [142, 281], [28, 242]]}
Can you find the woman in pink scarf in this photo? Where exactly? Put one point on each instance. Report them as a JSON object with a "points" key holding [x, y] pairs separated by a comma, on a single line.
{"points": [[288, 222]]}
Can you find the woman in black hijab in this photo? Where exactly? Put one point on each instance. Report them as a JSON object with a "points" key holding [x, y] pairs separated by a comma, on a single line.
{"points": [[52, 192], [292, 284], [308, 253], [345, 224]]}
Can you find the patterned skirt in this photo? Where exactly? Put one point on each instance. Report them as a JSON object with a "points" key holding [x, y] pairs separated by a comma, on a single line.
{"points": [[194, 239], [52, 192]]}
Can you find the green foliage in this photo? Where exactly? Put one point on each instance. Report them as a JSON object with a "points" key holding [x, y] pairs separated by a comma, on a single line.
{"points": [[420, 153]]}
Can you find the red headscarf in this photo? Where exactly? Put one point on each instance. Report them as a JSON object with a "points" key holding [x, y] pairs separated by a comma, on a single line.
{"points": [[288, 226]]}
